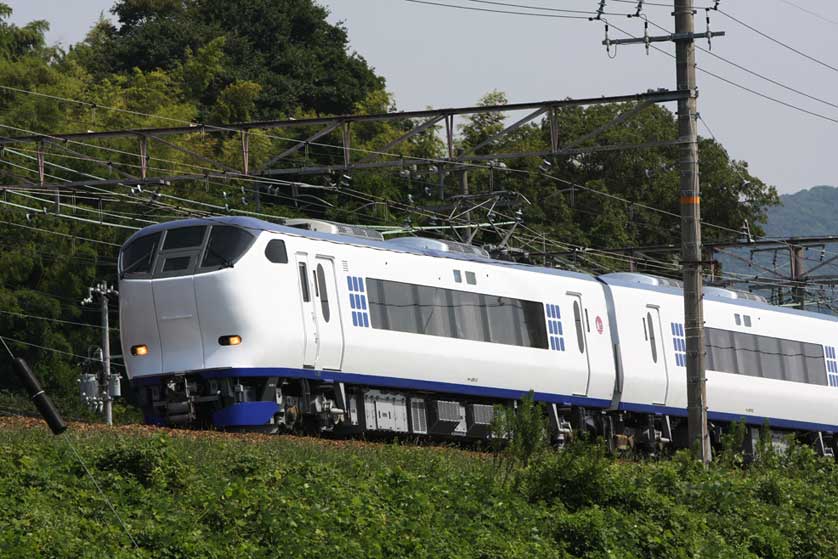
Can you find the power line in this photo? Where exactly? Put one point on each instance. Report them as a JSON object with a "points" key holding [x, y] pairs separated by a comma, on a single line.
{"points": [[54, 350], [735, 84], [428, 160], [546, 9], [58, 233], [808, 11], [56, 320], [490, 10], [779, 42]]}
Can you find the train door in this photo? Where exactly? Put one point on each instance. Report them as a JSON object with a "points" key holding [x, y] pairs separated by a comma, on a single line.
{"points": [[582, 374], [654, 336], [310, 333], [327, 310]]}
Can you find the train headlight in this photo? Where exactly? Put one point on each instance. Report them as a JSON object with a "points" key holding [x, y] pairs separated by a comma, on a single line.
{"points": [[230, 340], [139, 350]]}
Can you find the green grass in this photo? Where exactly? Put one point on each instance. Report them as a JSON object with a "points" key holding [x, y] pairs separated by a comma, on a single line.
{"points": [[218, 496]]}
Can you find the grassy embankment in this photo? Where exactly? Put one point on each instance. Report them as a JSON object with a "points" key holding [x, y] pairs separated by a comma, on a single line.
{"points": [[211, 495]]}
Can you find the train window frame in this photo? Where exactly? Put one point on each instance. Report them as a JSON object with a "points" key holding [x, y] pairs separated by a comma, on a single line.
{"points": [[176, 260], [471, 278], [652, 340], [580, 330], [458, 314], [302, 270], [225, 263], [743, 353], [323, 292], [163, 258], [170, 234], [151, 255], [276, 251]]}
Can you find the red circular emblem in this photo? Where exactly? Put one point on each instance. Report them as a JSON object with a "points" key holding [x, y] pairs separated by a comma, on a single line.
{"points": [[599, 325]]}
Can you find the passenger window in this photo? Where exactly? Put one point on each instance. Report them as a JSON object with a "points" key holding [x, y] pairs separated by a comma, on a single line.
{"points": [[275, 252], [458, 276], [471, 279], [138, 257], [304, 282], [226, 245], [652, 338], [184, 237], [324, 296], [580, 335], [747, 319], [738, 319], [434, 311]]}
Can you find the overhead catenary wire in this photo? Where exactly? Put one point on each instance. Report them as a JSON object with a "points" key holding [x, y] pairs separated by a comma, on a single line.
{"points": [[583, 188], [423, 159]]}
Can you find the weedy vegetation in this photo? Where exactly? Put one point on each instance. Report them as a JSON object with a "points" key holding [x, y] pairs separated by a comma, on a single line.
{"points": [[184, 494]]}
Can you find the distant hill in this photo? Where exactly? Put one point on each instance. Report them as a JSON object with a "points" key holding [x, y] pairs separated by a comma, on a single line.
{"points": [[811, 211]]}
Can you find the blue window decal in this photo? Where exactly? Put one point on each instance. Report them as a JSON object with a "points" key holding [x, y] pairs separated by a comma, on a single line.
{"points": [[358, 301], [554, 327], [831, 366], [679, 341]]}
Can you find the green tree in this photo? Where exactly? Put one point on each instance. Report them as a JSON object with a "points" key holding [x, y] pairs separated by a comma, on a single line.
{"points": [[285, 46]]}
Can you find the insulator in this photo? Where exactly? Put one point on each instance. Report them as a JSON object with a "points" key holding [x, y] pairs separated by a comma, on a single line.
{"points": [[45, 406]]}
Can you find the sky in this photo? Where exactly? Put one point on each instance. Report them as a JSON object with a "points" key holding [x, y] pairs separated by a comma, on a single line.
{"points": [[432, 56]]}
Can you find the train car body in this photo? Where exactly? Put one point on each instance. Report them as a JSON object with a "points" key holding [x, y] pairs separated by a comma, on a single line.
{"points": [[236, 322]]}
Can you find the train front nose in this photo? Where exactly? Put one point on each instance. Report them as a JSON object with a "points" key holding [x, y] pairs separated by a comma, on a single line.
{"points": [[177, 321]]}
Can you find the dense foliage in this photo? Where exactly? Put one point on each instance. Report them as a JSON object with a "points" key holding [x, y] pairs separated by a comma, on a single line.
{"points": [[213, 496], [170, 62]]}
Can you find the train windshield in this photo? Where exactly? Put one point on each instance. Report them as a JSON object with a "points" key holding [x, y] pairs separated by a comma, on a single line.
{"points": [[138, 257], [182, 249], [226, 245]]}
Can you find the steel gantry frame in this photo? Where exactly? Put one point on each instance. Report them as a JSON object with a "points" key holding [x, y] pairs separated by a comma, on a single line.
{"points": [[418, 122]]}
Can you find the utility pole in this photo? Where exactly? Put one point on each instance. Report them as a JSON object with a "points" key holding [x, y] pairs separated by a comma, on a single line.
{"points": [[110, 385], [106, 355], [699, 435], [690, 198]]}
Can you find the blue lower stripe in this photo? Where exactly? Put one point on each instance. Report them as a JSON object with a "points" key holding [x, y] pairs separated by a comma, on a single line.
{"points": [[730, 417]]}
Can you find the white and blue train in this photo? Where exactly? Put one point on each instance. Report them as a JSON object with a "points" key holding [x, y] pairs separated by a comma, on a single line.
{"points": [[237, 322]]}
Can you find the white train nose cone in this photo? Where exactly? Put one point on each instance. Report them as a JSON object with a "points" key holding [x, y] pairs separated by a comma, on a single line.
{"points": [[177, 321], [138, 327]]}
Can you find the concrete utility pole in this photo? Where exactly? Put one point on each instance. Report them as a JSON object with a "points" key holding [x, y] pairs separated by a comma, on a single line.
{"points": [[699, 435], [109, 385], [106, 357], [684, 38]]}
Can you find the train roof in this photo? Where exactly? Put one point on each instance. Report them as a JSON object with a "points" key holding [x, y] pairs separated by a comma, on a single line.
{"points": [[628, 280], [640, 281], [258, 225]]}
